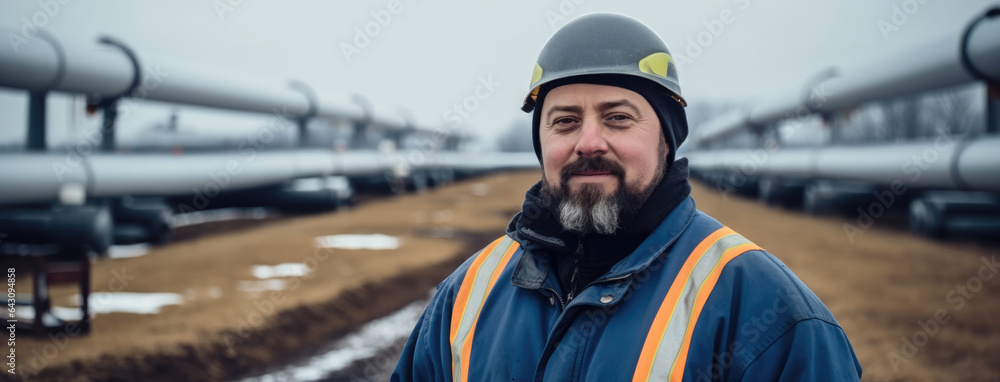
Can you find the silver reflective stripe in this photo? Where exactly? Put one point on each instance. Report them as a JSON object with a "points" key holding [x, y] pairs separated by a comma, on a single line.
{"points": [[673, 336], [480, 290]]}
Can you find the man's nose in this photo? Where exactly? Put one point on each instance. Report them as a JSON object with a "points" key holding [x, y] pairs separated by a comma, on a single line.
{"points": [[592, 142]]}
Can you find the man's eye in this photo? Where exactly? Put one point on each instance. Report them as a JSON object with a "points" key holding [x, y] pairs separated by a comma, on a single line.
{"points": [[619, 118], [563, 121]]}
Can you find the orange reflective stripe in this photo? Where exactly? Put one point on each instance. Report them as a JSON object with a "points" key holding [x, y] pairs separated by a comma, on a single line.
{"points": [[467, 346], [677, 373], [503, 263], [462, 299], [666, 310], [667, 344], [476, 285]]}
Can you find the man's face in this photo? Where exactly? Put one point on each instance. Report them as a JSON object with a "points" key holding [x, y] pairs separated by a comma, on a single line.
{"points": [[602, 147]]}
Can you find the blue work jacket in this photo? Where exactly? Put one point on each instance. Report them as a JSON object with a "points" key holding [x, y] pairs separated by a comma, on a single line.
{"points": [[736, 313]]}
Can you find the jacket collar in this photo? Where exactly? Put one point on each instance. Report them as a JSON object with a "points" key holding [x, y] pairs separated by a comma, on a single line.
{"points": [[532, 270]]}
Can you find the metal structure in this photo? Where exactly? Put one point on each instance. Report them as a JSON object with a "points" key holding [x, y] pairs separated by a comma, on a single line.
{"points": [[743, 151], [39, 184], [57, 209]]}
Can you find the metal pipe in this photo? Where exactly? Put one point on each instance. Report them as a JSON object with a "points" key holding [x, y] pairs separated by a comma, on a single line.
{"points": [[781, 106], [720, 126], [138, 220], [209, 174], [40, 177], [69, 226], [36, 121], [951, 213], [932, 66], [44, 67], [108, 141], [993, 109], [939, 164]]}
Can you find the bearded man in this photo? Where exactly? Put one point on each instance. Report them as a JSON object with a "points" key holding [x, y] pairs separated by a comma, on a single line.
{"points": [[609, 272]]}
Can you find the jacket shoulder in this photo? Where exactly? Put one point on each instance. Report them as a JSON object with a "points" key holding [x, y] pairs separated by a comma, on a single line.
{"points": [[758, 272], [453, 282], [763, 305]]}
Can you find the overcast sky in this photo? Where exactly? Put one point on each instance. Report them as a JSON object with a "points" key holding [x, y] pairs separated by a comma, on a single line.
{"points": [[432, 54]]}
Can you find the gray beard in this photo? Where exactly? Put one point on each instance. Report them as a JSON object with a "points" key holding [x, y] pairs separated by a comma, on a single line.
{"points": [[601, 217], [588, 211]]}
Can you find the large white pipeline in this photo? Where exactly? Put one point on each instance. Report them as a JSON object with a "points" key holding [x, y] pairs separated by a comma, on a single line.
{"points": [[935, 65], [942, 163], [106, 71], [39, 178]]}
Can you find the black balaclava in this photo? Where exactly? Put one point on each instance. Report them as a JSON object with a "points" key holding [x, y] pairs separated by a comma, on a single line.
{"points": [[673, 120], [540, 229]]}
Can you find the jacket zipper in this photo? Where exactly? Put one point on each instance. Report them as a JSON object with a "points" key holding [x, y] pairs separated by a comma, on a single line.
{"points": [[576, 270], [562, 304], [572, 280]]}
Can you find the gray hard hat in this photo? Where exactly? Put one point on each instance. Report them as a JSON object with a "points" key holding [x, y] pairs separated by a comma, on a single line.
{"points": [[604, 43]]}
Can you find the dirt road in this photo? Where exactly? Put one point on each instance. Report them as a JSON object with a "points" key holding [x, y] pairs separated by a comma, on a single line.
{"points": [[887, 286], [223, 332]]}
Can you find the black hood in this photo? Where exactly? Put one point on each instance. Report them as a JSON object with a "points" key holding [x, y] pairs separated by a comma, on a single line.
{"points": [[673, 119]]}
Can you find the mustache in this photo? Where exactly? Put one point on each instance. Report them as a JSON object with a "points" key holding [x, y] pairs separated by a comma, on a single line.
{"points": [[595, 164]]}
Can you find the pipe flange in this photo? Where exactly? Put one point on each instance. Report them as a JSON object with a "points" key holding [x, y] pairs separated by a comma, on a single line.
{"points": [[366, 106], [102, 102], [964, 48], [310, 95]]}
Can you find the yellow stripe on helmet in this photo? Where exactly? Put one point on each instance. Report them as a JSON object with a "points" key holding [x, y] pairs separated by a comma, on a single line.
{"points": [[656, 64]]}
